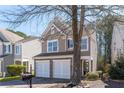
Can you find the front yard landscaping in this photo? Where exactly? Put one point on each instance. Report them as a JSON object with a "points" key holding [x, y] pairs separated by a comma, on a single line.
{"points": [[10, 78], [14, 72], [111, 76]]}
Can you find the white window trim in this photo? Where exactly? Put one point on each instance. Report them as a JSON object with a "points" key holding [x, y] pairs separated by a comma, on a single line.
{"points": [[53, 41], [7, 52], [19, 49], [85, 37], [67, 43]]}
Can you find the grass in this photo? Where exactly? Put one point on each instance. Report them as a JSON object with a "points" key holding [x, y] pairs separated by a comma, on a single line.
{"points": [[10, 78]]}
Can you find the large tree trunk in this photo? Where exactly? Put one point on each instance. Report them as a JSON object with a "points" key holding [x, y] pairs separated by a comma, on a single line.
{"points": [[76, 56], [77, 34]]}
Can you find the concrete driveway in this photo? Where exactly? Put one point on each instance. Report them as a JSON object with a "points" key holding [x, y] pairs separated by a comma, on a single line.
{"points": [[59, 83], [36, 83]]}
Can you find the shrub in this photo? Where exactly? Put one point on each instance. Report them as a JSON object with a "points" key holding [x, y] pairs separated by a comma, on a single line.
{"points": [[117, 70], [92, 76], [15, 70]]}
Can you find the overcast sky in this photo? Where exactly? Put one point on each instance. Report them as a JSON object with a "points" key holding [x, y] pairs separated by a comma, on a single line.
{"points": [[30, 29]]}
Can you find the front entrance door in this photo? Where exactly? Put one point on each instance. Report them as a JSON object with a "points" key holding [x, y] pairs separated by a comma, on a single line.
{"points": [[85, 67]]}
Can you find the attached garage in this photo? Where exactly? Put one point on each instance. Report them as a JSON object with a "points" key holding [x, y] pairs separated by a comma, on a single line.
{"points": [[43, 68], [53, 68], [62, 68]]}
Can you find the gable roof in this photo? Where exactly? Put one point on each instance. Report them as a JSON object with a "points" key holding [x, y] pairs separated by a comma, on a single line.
{"points": [[27, 39], [7, 36], [59, 24], [65, 28]]}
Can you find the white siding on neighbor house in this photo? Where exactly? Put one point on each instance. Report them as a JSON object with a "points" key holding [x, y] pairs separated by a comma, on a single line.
{"points": [[31, 49], [93, 50], [1, 48], [117, 41]]}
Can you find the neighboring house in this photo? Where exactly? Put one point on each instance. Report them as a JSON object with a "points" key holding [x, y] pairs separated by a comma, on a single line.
{"points": [[56, 59], [25, 50], [7, 42], [117, 45]]}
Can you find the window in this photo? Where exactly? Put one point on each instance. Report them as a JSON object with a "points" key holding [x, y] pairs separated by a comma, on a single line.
{"points": [[8, 48], [70, 43], [17, 49], [84, 44], [52, 46]]}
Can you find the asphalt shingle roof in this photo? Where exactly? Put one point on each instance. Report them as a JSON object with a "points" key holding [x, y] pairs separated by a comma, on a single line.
{"points": [[27, 39], [54, 54], [7, 36]]}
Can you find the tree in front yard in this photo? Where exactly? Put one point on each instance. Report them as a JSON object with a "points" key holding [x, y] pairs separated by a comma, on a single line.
{"points": [[76, 15], [105, 29]]}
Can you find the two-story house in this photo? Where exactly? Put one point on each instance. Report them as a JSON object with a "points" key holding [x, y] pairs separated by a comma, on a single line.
{"points": [[56, 59], [7, 42], [25, 50], [117, 45]]}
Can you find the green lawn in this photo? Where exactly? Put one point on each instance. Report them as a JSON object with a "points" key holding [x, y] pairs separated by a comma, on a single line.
{"points": [[10, 78]]}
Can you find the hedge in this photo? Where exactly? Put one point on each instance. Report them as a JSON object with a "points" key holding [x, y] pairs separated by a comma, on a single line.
{"points": [[14, 70], [92, 76]]}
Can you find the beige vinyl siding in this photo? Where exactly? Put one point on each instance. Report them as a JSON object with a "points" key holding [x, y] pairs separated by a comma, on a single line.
{"points": [[61, 44]]}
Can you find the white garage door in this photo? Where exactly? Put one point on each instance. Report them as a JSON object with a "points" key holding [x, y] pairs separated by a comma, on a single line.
{"points": [[43, 68], [61, 69]]}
